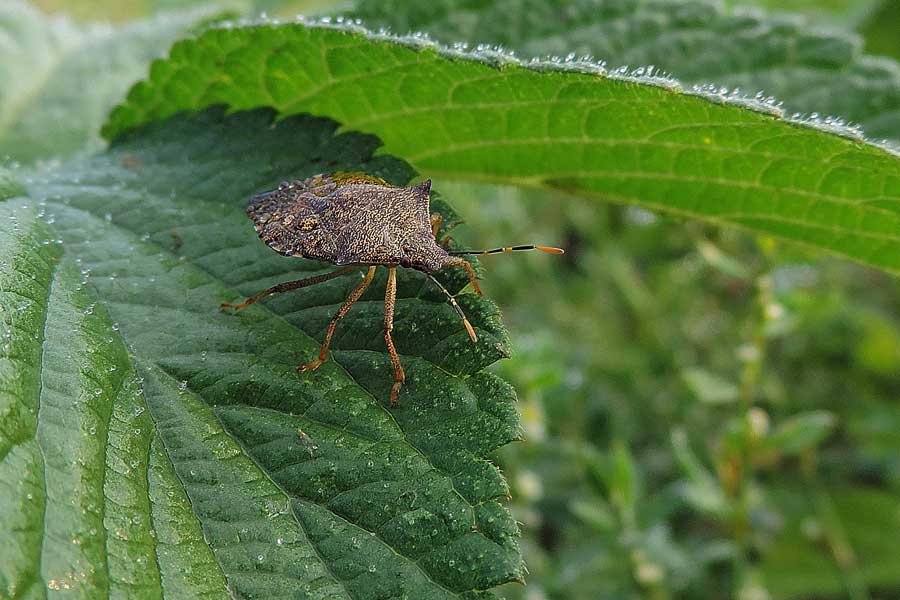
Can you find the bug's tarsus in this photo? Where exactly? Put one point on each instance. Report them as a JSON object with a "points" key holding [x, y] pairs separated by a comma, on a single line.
{"points": [[459, 311], [549, 249], [390, 299], [355, 295], [286, 286]]}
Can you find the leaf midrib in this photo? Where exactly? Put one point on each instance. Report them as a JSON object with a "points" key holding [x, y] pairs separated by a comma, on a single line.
{"points": [[541, 182], [37, 419]]}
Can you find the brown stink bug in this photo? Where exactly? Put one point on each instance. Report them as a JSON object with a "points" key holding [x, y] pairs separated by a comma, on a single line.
{"points": [[354, 220]]}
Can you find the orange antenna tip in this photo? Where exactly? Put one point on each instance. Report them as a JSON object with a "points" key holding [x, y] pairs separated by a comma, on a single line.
{"points": [[550, 249]]}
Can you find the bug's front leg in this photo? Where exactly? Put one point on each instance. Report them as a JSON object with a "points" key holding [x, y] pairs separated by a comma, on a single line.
{"points": [[461, 262], [390, 300]]}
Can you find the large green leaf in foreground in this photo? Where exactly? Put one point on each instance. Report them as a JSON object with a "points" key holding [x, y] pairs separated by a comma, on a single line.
{"points": [[489, 118], [151, 444]]}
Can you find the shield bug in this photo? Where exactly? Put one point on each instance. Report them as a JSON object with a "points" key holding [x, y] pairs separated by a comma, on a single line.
{"points": [[354, 220]]}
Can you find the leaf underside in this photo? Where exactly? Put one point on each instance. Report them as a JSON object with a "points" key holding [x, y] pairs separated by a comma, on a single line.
{"points": [[618, 140], [150, 444]]}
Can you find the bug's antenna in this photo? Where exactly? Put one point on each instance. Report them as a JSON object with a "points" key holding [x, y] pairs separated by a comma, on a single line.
{"points": [[549, 249], [469, 329]]}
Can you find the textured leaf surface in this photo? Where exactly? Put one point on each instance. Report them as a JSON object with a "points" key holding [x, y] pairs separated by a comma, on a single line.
{"points": [[152, 444], [58, 80], [618, 140], [811, 69]]}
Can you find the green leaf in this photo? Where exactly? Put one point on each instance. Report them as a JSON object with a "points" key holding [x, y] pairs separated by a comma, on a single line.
{"points": [[830, 543], [813, 70], [710, 388], [622, 480], [9, 185], [151, 444], [548, 126], [880, 30], [118, 11], [58, 80], [701, 489], [847, 11], [800, 432]]}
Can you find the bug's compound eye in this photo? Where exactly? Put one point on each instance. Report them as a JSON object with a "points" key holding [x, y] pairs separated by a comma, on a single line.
{"points": [[308, 224], [404, 260]]}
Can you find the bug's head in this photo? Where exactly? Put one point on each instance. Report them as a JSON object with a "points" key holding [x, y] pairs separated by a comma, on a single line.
{"points": [[423, 254]]}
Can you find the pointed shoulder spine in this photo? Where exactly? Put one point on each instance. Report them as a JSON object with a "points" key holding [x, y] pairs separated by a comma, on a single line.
{"points": [[423, 188]]}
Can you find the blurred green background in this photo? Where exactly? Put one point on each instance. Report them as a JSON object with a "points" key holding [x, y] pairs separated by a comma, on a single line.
{"points": [[707, 414]]}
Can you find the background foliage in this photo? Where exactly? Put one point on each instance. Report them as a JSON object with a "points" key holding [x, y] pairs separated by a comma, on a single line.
{"points": [[708, 414]]}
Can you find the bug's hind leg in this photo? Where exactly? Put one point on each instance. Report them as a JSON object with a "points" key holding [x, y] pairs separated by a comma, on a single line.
{"points": [[286, 286], [390, 299], [355, 295]]}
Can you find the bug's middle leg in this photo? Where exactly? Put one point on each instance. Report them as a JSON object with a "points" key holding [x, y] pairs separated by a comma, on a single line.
{"points": [[390, 299], [355, 295]]}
